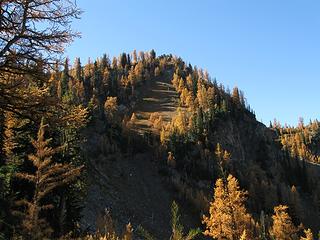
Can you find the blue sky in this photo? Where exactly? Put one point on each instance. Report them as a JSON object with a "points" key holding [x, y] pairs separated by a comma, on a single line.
{"points": [[270, 48]]}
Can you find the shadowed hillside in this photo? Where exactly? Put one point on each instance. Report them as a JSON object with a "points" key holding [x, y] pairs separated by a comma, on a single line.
{"points": [[134, 186]]}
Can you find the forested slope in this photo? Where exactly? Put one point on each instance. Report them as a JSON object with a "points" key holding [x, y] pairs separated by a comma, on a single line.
{"points": [[181, 136], [101, 150], [147, 130]]}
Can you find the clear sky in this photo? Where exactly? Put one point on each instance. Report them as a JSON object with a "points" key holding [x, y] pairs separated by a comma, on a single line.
{"points": [[270, 48]]}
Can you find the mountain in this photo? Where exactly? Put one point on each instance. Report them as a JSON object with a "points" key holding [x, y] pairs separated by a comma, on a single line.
{"points": [[150, 130], [172, 119]]}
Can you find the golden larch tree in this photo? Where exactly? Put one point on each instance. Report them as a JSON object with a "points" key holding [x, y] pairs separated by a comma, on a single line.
{"points": [[33, 35], [228, 217], [244, 235], [111, 108], [47, 177], [308, 235], [127, 235], [283, 228]]}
